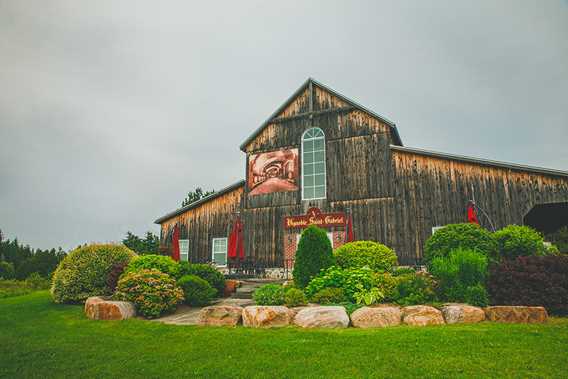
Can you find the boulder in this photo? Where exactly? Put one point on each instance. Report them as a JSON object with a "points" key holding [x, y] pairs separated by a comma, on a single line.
{"points": [[422, 315], [516, 314], [462, 313], [266, 316], [322, 317], [97, 308], [376, 317], [220, 315]]}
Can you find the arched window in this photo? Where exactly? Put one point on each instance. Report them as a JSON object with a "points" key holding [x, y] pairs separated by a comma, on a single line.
{"points": [[313, 164]]}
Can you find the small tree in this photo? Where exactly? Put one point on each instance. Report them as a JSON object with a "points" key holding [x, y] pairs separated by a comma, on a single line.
{"points": [[314, 254], [193, 196]]}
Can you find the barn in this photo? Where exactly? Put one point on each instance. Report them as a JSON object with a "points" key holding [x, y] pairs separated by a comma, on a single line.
{"points": [[324, 159]]}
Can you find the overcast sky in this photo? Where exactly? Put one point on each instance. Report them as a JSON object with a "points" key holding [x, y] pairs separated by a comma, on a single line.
{"points": [[110, 111]]}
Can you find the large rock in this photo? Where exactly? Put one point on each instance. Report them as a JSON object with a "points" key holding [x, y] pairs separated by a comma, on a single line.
{"points": [[97, 308], [462, 313], [376, 317], [322, 317], [265, 316], [514, 314], [220, 315], [422, 315]]}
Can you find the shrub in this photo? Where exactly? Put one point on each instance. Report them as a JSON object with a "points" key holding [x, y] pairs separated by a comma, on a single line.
{"points": [[197, 291], [161, 263], [7, 270], [314, 254], [459, 236], [349, 280], [560, 239], [399, 271], [330, 295], [84, 272], [269, 294], [37, 282], [459, 271], [153, 292], [376, 256], [206, 272], [369, 296], [386, 283], [414, 288], [294, 297], [551, 250], [539, 281], [515, 241], [476, 295]]}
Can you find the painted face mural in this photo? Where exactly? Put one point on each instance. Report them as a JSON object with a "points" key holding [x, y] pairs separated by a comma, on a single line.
{"points": [[275, 171]]}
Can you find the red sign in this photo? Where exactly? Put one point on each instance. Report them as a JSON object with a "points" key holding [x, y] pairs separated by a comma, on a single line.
{"points": [[315, 217]]}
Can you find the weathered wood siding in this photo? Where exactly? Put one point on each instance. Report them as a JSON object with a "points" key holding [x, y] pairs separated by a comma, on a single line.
{"points": [[200, 225], [432, 191]]}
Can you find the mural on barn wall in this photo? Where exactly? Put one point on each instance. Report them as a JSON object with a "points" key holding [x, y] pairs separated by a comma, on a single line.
{"points": [[274, 171]]}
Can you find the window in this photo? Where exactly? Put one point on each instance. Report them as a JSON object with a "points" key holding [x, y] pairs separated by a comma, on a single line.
{"points": [[220, 251], [313, 164], [183, 250]]}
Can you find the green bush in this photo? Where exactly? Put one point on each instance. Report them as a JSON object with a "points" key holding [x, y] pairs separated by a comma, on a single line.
{"points": [[84, 272], [458, 273], [413, 288], [460, 236], [37, 282], [206, 272], [269, 294], [197, 291], [314, 254], [152, 292], [328, 296], [350, 280], [399, 271], [560, 239], [161, 263], [516, 241], [374, 255], [551, 250], [7, 270], [294, 297], [476, 295]]}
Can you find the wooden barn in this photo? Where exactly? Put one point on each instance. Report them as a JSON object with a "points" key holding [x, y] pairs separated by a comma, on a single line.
{"points": [[323, 159]]}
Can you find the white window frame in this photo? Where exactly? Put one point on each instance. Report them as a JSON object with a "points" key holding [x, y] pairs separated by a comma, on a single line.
{"points": [[213, 250], [181, 253], [324, 165]]}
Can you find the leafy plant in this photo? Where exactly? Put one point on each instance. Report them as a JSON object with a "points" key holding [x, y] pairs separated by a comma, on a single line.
{"points": [[314, 254], [294, 297], [460, 236], [413, 289], [560, 239], [37, 282], [516, 240], [84, 272], [328, 296], [7, 270], [349, 280], [161, 263], [358, 254], [399, 271], [197, 291], [153, 292], [369, 296], [207, 272], [269, 294]]}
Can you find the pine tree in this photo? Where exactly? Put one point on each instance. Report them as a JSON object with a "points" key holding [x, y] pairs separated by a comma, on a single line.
{"points": [[314, 254]]}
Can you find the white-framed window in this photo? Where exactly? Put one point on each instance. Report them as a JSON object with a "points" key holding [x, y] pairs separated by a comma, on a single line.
{"points": [[219, 251], [329, 236], [313, 165], [183, 250]]}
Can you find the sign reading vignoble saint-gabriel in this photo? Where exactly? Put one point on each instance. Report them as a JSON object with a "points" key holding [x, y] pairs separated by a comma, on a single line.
{"points": [[315, 217]]}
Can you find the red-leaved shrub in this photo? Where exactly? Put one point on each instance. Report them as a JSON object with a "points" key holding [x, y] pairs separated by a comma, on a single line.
{"points": [[532, 280]]}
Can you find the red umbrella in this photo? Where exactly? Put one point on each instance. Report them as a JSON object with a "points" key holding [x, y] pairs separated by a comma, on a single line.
{"points": [[240, 240], [472, 213], [349, 229], [236, 246], [175, 244]]}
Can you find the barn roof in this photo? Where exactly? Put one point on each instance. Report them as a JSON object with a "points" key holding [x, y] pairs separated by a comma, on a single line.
{"points": [[352, 103], [480, 161], [199, 202]]}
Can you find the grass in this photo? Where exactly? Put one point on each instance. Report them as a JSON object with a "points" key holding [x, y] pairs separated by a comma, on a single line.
{"points": [[10, 288], [41, 339]]}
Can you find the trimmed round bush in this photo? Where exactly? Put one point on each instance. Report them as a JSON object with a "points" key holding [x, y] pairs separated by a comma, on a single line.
{"points": [[314, 254], [517, 241], [456, 236], [351, 281], [374, 255], [197, 291], [152, 292], [161, 263], [7, 270], [269, 294], [206, 272], [294, 297], [84, 272], [329, 296]]}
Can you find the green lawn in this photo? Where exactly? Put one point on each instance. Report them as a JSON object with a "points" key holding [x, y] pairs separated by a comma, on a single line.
{"points": [[41, 339]]}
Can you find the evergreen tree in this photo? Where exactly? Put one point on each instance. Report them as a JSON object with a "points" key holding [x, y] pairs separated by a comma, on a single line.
{"points": [[314, 254], [197, 194]]}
